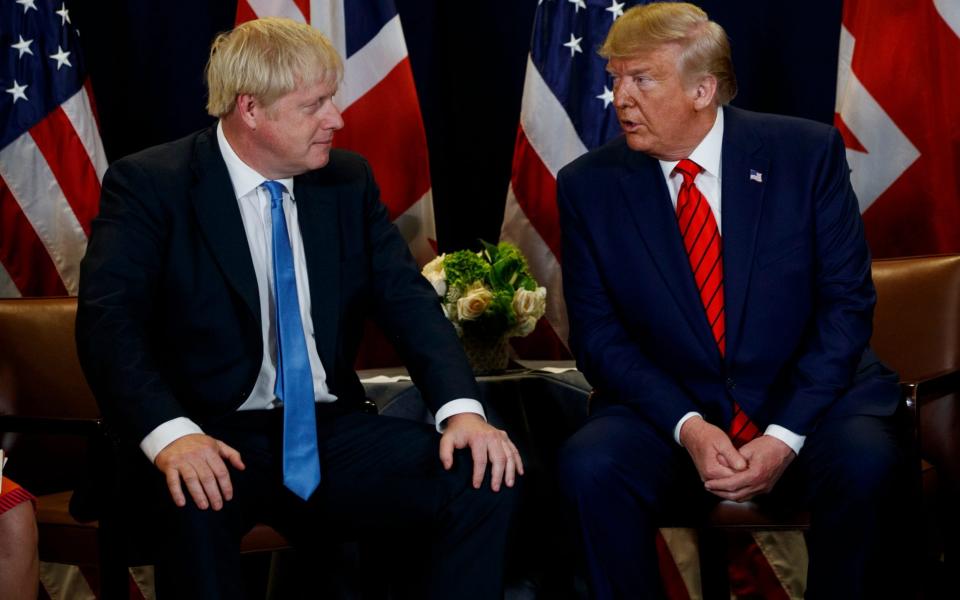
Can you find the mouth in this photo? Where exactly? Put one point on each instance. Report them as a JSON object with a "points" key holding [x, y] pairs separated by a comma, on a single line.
{"points": [[630, 126]]}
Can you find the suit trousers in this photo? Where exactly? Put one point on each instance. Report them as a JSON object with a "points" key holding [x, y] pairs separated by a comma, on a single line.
{"points": [[624, 479], [381, 477]]}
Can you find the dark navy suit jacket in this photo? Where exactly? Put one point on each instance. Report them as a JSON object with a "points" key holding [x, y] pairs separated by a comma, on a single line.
{"points": [[168, 321], [798, 293]]}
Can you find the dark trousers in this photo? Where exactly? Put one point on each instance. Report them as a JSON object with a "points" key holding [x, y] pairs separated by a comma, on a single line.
{"points": [[379, 476], [624, 479]]}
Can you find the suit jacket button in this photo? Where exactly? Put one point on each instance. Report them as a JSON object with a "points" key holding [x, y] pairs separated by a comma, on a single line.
{"points": [[731, 384]]}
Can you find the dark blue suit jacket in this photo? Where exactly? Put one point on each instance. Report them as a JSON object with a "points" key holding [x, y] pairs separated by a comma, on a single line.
{"points": [[168, 321], [799, 297]]}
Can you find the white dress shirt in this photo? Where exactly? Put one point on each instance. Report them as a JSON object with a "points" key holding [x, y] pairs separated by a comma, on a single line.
{"points": [[254, 204], [708, 155]]}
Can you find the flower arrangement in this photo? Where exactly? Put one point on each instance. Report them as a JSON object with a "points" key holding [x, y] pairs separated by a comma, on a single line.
{"points": [[488, 295]]}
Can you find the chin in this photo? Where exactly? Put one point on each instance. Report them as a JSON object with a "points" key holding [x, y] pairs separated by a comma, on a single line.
{"points": [[638, 143], [318, 162]]}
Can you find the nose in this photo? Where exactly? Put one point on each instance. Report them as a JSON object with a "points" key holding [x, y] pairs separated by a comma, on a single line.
{"points": [[620, 96], [334, 119]]}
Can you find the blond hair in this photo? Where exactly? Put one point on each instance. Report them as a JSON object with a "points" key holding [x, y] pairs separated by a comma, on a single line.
{"points": [[267, 58], [704, 47]]}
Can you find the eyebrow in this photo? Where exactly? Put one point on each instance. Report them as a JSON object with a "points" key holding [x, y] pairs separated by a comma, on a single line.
{"points": [[634, 71]]}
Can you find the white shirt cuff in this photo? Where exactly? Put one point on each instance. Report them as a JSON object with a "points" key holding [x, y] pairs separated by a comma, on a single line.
{"points": [[683, 419], [456, 407], [165, 434], [787, 437]]}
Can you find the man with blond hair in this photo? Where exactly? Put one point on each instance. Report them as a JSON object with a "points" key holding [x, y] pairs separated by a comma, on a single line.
{"points": [[222, 301], [718, 287]]}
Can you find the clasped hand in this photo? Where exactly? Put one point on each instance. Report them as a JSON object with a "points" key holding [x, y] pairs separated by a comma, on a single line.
{"points": [[733, 474]]}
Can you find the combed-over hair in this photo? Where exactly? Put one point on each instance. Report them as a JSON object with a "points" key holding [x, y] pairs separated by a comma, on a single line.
{"points": [[704, 46]]}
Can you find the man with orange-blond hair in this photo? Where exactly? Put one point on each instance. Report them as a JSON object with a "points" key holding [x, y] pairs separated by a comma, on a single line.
{"points": [[718, 287]]}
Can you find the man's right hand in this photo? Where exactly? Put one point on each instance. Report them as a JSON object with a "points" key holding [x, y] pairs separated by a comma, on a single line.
{"points": [[711, 449], [197, 459]]}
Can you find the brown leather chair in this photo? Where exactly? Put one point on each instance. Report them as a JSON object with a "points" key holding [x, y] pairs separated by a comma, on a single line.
{"points": [[916, 333], [50, 426]]}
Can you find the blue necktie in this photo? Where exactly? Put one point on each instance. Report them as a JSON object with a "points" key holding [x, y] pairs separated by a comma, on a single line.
{"points": [[294, 387]]}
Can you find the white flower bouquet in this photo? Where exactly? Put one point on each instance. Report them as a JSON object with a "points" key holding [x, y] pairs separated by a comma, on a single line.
{"points": [[489, 296]]}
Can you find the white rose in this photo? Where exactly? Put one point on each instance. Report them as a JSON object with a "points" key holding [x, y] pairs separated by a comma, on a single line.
{"points": [[524, 327], [474, 301], [528, 304], [435, 274]]}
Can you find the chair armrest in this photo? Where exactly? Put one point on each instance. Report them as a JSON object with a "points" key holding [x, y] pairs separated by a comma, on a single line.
{"points": [[88, 427], [916, 389]]}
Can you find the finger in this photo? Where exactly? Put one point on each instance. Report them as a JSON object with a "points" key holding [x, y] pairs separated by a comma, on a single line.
{"points": [[737, 496], [231, 455], [717, 471], [446, 452], [730, 484], [222, 475], [210, 485], [517, 461], [510, 471], [479, 451], [733, 458], [173, 484], [498, 465], [192, 481]]}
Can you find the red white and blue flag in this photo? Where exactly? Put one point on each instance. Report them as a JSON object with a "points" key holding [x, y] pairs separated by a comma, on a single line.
{"points": [[566, 111], [51, 156], [378, 100], [898, 110]]}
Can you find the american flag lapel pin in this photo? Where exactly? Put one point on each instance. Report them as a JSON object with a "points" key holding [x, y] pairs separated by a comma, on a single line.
{"points": [[756, 176]]}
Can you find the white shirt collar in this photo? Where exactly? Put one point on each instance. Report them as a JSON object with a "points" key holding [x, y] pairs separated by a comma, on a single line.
{"points": [[244, 178], [707, 152]]}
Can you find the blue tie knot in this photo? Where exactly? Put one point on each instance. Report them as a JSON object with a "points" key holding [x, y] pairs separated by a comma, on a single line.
{"points": [[276, 192]]}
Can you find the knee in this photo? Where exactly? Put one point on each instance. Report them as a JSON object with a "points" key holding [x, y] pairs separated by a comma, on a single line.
{"points": [[584, 470], [872, 468], [18, 530]]}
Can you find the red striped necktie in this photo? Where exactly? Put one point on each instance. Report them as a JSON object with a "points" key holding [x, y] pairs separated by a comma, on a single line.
{"points": [[701, 238]]}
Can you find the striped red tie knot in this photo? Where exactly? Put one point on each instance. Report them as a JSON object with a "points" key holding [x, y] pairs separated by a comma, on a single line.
{"points": [[688, 170]]}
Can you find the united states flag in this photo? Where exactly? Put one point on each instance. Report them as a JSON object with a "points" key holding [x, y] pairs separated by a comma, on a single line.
{"points": [[378, 100], [566, 111], [51, 156]]}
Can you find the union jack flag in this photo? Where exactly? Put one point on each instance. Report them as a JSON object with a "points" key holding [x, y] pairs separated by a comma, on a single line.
{"points": [[896, 108], [378, 100], [51, 156]]}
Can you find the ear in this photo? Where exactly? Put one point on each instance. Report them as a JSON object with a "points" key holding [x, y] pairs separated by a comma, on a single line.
{"points": [[249, 110], [705, 92]]}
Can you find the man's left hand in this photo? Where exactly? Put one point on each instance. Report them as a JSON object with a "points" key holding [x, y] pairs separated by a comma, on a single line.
{"points": [[767, 459], [487, 444]]}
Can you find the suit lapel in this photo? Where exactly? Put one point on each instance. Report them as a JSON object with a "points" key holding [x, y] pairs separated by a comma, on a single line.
{"points": [[318, 217], [742, 200], [219, 219], [647, 200]]}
